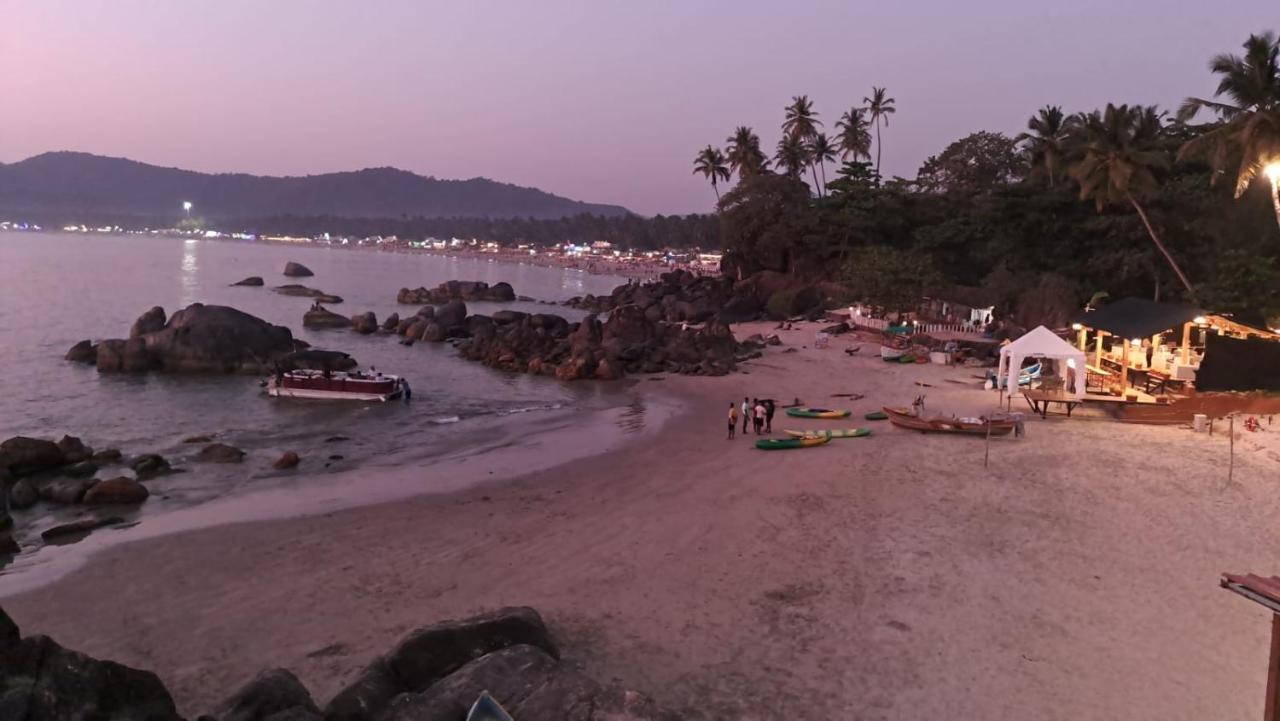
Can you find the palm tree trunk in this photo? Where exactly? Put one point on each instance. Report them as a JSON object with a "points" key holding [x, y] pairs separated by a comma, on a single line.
{"points": [[817, 190], [824, 182], [713, 187], [1275, 197], [877, 149], [1159, 244]]}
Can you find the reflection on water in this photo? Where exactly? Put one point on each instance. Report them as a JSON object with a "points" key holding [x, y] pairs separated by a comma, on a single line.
{"points": [[189, 279]]}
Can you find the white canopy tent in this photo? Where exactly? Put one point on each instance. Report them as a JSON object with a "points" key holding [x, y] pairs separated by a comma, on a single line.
{"points": [[1041, 343]]}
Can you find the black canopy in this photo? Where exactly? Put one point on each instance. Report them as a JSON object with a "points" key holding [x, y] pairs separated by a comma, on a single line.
{"points": [[1138, 318]]}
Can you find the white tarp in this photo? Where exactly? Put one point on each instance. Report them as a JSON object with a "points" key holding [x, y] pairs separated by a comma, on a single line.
{"points": [[1041, 343]]}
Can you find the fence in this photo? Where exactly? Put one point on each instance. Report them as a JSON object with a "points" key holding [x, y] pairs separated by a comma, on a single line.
{"points": [[958, 329]]}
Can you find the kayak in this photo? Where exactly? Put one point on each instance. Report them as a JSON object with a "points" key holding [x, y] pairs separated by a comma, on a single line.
{"points": [[835, 433], [486, 708], [816, 413], [877, 416], [780, 444]]}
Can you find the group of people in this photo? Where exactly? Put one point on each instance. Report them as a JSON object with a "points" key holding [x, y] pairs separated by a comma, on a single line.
{"points": [[757, 412]]}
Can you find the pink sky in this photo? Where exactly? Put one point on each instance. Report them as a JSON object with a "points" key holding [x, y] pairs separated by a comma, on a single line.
{"points": [[596, 100]]}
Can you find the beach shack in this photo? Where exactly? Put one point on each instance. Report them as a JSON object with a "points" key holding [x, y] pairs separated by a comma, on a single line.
{"points": [[959, 304]]}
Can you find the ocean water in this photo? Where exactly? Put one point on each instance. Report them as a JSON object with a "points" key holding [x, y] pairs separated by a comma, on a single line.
{"points": [[56, 289]]}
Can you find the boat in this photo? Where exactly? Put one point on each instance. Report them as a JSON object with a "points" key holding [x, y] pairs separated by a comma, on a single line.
{"points": [[1025, 376], [889, 353], [816, 413], [833, 433], [904, 418], [486, 708], [336, 385], [781, 444], [877, 416]]}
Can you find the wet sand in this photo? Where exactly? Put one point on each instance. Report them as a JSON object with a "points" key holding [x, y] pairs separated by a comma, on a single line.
{"points": [[888, 577]]}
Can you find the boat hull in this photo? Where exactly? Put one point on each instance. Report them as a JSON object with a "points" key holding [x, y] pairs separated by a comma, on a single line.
{"points": [[816, 413], [889, 354], [902, 418], [332, 395]]}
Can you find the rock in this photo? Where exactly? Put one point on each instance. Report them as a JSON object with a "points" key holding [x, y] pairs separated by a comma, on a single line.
{"points": [[503, 317], [201, 339], [74, 450], [149, 322], [83, 352], [9, 633], [83, 469], [431, 653], [109, 455], [427, 311], [22, 495], [126, 356], [467, 290], [197, 439], [510, 675], [288, 460], [364, 323], [220, 453], [119, 490], [297, 270], [68, 492], [365, 697], [302, 291], [84, 525], [253, 280], [451, 314], [45, 682], [432, 332], [8, 547], [318, 360], [320, 317], [297, 713], [149, 465], [23, 455], [392, 322], [269, 693]]}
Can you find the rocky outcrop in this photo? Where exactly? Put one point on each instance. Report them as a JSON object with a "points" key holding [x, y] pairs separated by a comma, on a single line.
{"points": [[302, 291], [220, 453], [510, 675], [199, 339], [83, 352], [270, 695], [364, 323], [74, 450], [64, 492], [149, 322], [150, 465], [465, 290], [318, 360], [120, 490], [321, 317], [392, 322], [297, 270], [253, 281], [78, 528], [23, 456], [22, 495]]}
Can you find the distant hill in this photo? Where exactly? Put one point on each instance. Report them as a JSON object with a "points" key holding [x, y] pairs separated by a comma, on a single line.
{"points": [[70, 185]]}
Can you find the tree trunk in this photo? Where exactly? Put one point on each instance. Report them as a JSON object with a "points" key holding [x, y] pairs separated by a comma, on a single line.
{"points": [[1159, 244], [824, 182], [713, 187], [1275, 197], [877, 150], [817, 190]]}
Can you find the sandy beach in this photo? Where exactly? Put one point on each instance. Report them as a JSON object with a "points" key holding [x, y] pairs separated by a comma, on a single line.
{"points": [[888, 577]]}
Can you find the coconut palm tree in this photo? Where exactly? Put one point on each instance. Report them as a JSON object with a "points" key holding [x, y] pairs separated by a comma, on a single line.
{"points": [[1248, 132], [822, 151], [855, 134], [745, 156], [711, 163], [792, 155], [1046, 143], [801, 122], [880, 107], [1117, 165]]}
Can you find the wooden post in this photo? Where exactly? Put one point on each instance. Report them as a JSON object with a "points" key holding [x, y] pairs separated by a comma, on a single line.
{"points": [[1097, 350], [1186, 342], [1271, 710], [1231, 462], [1124, 366], [986, 453], [1081, 340]]}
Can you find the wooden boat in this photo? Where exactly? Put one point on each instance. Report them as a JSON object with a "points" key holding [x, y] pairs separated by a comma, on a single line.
{"points": [[782, 444], [904, 418], [889, 353], [816, 413], [1025, 376], [833, 433], [336, 385]]}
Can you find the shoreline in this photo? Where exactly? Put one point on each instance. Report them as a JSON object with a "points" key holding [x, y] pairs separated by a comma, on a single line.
{"points": [[887, 577]]}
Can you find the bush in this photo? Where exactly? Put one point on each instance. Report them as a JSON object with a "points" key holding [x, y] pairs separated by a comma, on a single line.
{"points": [[780, 304]]}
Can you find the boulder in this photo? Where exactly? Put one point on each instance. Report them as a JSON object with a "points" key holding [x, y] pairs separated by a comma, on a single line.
{"points": [[198, 439], [74, 450], [318, 360], [427, 311], [220, 453], [432, 332], [321, 317], [149, 322], [83, 352], [503, 317], [288, 460], [302, 291], [467, 290], [364, 323], [125, 356], [392, 322], [66, 492], [119, 490], [451, 314], [431, 653], [297, 270], [365, 697], [22, 495], [267, 694], [45, 682], [510, 675], [253, 280], [23, 455], [107, 455], [83, 469], [8, 547], [9, 633], [149, 465], [82, 526], [201, 339]]}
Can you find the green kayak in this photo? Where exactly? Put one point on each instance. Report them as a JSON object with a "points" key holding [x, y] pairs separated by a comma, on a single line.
{"points": [[780, 444], [833, 433], [816, 413], [877, 416]]}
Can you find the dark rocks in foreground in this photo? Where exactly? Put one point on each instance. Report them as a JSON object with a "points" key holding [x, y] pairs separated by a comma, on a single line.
{"points": [[465, 290], [320, 317], [254, 281], [220, 453], [297, 270], [318, 360]]}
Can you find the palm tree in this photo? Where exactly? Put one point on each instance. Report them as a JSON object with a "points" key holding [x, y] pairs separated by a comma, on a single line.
{"points": [[1248, 132], [855, 134], [801, 122], [1046, 144], [1117, 165], [711, 163], [792, 155], [880, 106], [822, 150], [745, 156]]}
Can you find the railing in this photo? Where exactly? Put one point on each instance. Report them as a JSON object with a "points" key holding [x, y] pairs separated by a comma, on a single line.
{"points": [[864, 321]]}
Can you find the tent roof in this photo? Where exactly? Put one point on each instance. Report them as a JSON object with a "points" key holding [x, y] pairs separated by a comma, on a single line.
{"points": [[1041, 341], [1138, 318]]}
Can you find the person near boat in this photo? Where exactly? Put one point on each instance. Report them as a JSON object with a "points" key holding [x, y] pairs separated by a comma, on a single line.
{"points": [[733, 420], [760, 413], [768, 415], [746, 415]]}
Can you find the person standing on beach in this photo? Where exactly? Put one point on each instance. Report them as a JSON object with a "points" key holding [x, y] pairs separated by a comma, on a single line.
{"points": [[768, 415], [733, 420], [746, 415], [759, 417]]}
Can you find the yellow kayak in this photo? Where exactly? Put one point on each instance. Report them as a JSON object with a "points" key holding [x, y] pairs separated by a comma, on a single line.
{"points": [[779, 444], [834, 433]]}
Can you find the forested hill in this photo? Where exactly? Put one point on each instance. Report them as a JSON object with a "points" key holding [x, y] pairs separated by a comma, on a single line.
{"points": [[71, 186]]}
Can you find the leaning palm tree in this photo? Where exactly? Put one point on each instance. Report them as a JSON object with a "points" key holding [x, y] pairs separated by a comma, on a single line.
{"points": [[855, 134], [1117, 165], [744, 155], [801, 122], [1045, 144], [1248, 132], [792, 155], [822, 151], [711, 163], [880, 107]]}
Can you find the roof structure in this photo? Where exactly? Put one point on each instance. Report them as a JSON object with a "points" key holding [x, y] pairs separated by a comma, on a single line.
{"points": [[1139, 318], [1263, 589]]}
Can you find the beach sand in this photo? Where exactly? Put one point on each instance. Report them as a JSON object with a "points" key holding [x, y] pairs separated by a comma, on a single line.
{"points": [[888, 577]]}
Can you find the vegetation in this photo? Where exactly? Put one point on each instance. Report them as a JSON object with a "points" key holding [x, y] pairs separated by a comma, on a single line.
{"points": [[712, 164]]}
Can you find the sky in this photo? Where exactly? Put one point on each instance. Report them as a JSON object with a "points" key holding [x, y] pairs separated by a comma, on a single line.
{"points": [[598, 100]]}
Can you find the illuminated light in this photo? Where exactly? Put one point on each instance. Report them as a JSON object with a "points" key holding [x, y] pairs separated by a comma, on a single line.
{"points": [[186, 205], [1071, 363], [1200, 320], [1077, 326], [1136, 342], [1273, 171]]}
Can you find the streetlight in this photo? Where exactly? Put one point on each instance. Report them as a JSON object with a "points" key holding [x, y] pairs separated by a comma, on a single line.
{"points": [[186, 205]]}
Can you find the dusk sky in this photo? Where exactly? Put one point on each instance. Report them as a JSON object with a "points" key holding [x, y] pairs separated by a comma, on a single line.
{"points": [[595, 100]]}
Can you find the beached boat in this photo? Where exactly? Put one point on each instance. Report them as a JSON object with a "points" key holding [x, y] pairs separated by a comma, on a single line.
{"points": [[904, 418], [336, 385], [833, 433], [1025, 376], [816, 413], [781, 444], [889, 353], [877, 416]]}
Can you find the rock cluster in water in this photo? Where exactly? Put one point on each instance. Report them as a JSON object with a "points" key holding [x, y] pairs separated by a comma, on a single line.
{"points": [[302, 291], [435, 673], [198, 339], [465, 290], [297, 270], [680, 296]]}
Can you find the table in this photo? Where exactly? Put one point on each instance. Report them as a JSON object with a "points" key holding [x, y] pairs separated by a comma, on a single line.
{"points": [[1041, 400]]}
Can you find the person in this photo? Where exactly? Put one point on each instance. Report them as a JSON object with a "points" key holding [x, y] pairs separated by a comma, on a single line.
{"points": [[746, 415], [733, 420], [768, 415], [759, 417], [408, 392]]}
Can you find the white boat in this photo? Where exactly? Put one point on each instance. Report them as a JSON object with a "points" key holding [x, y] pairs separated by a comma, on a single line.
{"points": [[336, 385], [890, 353]]}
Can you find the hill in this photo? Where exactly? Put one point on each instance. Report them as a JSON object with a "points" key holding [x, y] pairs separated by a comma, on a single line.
{"points": [[71, 185]]}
